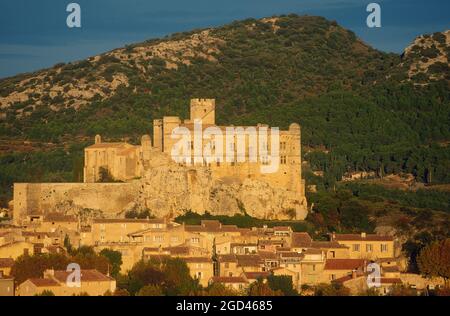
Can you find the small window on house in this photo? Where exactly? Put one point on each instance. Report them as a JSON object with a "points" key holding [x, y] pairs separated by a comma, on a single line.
{"points": [[355, 247], [384, 247], [369, 248]]}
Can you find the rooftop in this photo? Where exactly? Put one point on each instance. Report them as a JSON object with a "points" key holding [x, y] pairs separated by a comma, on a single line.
{"points": [[344, 264], [256, 275], [129, 220], [86, 276], [229, 279], [41, 282], [6, 262], [361, 237], [58, 217], [300, 240]]}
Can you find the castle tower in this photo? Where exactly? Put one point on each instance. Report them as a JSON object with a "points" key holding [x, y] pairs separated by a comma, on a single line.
{"points": [[203, 109], [146, 145], [158, 134], [295, 158], [169, 123]]}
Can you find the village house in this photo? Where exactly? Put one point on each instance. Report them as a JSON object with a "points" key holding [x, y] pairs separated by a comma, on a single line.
{"points": [[337, 268], [366, 246], [92, 282], [236, 283], [6, 285], [16, 249], [201, 269], [6, 265], [118, 230]]}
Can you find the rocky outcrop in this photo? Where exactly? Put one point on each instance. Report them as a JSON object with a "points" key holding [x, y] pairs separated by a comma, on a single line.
{"points": [[166, 190], [171, 190]]}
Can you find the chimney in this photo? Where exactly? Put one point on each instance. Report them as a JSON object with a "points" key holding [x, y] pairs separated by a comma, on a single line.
{"points": [[353, 274], [363, 235], [333, 236]]}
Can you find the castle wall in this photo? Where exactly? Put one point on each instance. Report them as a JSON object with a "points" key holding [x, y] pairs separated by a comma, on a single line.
{"points": [[42, 198]]}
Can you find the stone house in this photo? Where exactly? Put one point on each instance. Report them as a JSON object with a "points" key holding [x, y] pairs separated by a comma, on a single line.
{"points": [[92, 282]]}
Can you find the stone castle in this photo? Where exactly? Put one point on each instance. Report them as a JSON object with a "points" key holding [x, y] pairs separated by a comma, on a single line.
{"points": [[145, 177]]}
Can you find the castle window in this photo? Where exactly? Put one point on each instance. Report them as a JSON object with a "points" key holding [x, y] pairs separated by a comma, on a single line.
{"points": [[283, 146], [283, 160], [265, 160]]}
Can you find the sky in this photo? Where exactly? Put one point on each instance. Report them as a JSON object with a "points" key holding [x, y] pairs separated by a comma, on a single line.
{"points": [[34, 34]]}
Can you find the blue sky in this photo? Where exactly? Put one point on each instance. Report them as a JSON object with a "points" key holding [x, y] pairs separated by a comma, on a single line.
{"points": [[34, 35]]}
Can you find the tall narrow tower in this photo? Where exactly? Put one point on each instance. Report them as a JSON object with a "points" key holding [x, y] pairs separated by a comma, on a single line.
{"points": [[203, 109]]}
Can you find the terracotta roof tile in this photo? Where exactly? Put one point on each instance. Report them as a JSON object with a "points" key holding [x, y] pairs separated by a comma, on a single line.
{"points": [[301, 240], [41, 282], [256, 275], [267, 255], [390, 280], [359, 237], [390, 269], [326, 244], [344, 264], [86, 276], [229, 279], [197, 259], [290, 254], [6, 262], [227, 258], [249, 260]]}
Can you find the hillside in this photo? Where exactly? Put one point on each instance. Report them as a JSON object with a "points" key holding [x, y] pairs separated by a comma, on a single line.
{"points": [[370, 110]]}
